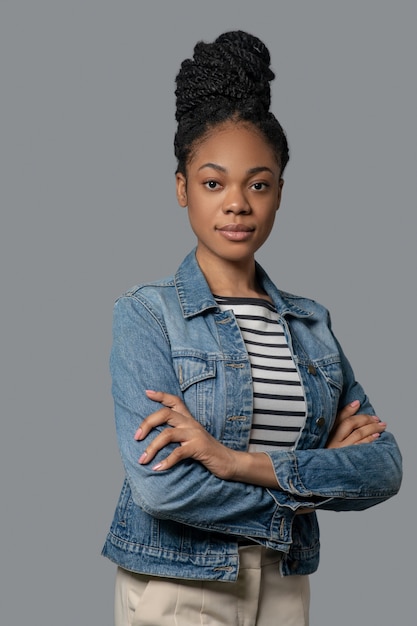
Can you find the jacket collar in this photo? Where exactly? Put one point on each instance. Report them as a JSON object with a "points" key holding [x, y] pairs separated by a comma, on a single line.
{"points": [[195, 296]]}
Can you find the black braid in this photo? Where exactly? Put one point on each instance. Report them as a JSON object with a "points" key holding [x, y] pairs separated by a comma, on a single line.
{"points": [[226, 80]]}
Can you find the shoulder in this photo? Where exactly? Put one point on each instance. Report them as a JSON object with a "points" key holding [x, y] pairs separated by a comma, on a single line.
{"points": [[290, 303], [149, 289], [314, 310], [145, 309], [302, 301], [154, 298]]}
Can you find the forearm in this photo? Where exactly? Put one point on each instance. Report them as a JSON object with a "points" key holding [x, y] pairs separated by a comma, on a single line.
{"points": [[255, 468], [355, 476]]}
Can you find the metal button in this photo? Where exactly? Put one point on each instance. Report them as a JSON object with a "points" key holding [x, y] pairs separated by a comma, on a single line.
{"points": [[320, 421], [311, 370]]}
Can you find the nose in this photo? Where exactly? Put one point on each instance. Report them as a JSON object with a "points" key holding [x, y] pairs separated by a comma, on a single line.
{"points": [[235, 201]]}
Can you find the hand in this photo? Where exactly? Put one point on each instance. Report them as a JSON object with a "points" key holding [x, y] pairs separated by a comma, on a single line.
{"points": [[352, 428], [195, 442]]}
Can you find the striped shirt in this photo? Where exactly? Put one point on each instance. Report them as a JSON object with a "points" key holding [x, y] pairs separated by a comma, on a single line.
{"points": [[279, 408]]}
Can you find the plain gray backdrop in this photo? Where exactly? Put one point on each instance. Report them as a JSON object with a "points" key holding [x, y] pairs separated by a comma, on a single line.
{"points": [[88, 209]]}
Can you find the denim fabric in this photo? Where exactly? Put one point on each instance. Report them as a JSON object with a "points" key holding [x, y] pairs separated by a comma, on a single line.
{"points": [[171, 336]]}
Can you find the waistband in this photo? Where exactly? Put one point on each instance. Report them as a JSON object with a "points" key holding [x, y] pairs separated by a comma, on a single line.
{"points": [[255, 557]]}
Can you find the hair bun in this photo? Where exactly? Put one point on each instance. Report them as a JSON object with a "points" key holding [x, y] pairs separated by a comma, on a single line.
{"points": [[235, 67]]}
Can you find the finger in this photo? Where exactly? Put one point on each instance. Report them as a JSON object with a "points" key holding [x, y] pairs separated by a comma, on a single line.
{"points": [[367, 433], [348, 411], [349, 432], [160, 417], [151, 421], [354, 422], [364, 434], [179, 454], [168, 400], [162, 440], [168, 436], [369, 439]]}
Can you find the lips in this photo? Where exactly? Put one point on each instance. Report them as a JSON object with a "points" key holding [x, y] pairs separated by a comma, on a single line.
{"points": [[236, 228], [236, 232]]}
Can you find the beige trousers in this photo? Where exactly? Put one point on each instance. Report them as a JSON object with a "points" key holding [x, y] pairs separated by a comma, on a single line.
{"points": [[260, 597]]}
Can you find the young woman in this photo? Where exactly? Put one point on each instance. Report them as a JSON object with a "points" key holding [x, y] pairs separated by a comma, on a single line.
{"points": [[237, 412]]}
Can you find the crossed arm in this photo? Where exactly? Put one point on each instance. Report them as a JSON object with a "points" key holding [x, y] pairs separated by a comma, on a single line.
{"points": [[351, 428]]}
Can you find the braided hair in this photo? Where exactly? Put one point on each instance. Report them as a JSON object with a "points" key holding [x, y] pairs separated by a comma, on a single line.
{"points": [[226, 80]]}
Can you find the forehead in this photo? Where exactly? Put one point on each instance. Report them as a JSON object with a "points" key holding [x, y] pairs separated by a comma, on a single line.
{"points": [[234, 145]]}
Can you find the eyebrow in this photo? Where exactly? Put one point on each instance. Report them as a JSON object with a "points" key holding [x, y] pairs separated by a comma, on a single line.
{"points": [[251, 171]]}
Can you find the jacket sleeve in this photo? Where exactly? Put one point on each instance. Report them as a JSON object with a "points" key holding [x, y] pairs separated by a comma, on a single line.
{"points": [[187, 493], [350, 478]]}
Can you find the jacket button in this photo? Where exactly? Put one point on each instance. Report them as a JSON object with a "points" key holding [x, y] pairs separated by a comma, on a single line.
{"points": [[311, 370], [320, 421], [294, 565]]}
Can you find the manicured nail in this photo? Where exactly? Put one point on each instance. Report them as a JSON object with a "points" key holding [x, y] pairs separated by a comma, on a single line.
{"points": [[150, 391], [355, 403], [143, 457], [138, 434], [157, 467], [375, 435]]}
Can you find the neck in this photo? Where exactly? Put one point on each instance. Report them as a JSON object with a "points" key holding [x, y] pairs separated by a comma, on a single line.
{"points": [[228, 278]]}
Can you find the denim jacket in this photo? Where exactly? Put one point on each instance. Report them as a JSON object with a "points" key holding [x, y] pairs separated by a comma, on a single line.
{"points": [[185, 522]]}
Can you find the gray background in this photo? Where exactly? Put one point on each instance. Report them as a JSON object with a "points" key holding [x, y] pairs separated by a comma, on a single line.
{"points": [[88, 210]]}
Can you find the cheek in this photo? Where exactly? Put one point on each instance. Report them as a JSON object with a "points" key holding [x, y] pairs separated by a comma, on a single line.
{"points": [[266, 228], [202, 206], [198, 221], [269, 221]]}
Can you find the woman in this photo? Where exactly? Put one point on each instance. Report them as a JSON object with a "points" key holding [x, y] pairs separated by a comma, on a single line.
{"points": [[252, 418]]}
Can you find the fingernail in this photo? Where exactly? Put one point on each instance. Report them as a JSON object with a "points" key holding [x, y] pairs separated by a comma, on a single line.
{"points": [[138, 433], [157, 467], [375, 418], [375, 435], [143, 457], [150, 391], [354, 403]]}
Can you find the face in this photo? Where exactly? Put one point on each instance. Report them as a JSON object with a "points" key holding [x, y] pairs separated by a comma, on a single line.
{"points": [[233, 191]]}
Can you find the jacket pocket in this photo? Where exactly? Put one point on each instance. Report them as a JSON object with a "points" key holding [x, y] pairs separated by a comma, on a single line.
{"points": [[332, 372], [323, 385], [197, 376]]}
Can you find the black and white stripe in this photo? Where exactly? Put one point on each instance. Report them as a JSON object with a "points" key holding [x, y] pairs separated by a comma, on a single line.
{"points": [[279, 405]]}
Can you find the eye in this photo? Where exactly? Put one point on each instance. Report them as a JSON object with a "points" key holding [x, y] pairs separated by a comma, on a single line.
{"points": [[211, 184], [259, 186]]}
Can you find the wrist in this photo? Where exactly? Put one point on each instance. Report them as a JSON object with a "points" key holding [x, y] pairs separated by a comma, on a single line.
{"points": [[241, 466], [255, 468]]}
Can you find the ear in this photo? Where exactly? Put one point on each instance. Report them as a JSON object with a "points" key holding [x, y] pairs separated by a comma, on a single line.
{"points": [[279, 195], [181, 186]]}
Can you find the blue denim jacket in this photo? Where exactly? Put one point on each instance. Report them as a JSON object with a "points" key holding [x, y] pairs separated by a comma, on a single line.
{"points": [[184, 522]]}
